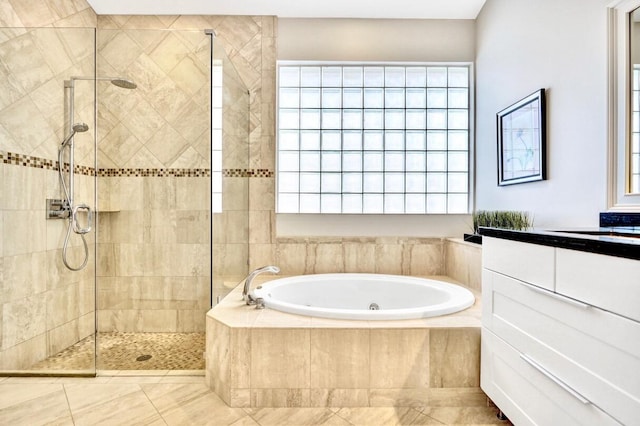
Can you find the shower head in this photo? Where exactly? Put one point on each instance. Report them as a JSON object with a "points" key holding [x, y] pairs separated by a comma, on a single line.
{"points": [[76, 128], [123, 83], [80, 127]]}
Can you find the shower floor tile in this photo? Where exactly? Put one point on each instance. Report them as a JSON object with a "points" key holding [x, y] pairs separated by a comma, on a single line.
{"points": [[131, 351]]}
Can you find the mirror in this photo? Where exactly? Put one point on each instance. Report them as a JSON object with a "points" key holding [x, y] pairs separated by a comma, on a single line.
{"points": [[633, 149]]}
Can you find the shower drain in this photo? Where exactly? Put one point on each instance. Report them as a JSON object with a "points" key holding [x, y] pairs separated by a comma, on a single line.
{"points": [[143, 358]]}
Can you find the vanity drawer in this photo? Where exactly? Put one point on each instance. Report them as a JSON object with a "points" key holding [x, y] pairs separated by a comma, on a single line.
{"points": [[611, 283], [528, 396], [593, 351], [532, 263]]}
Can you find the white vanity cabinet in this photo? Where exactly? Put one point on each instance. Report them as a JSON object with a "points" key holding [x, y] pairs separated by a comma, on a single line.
{"points": [[565, 351]]}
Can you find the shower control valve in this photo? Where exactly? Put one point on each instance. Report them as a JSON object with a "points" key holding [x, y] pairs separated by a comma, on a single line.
{"points": [[57, 209]]}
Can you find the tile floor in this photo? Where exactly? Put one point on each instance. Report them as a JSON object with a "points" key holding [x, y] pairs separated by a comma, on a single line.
{"points": [[131, 351], [166, 398]]}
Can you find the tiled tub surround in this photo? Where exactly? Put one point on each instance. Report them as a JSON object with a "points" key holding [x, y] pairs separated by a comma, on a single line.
{"points": [[384, 255], [266, 358]]}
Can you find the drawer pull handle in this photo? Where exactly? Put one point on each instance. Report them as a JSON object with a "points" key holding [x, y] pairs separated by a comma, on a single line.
{"points": [[554, 379], [558, 296]]}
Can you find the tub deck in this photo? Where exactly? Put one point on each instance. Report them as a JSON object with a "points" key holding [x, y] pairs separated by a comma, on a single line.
{"points": [[268, 358]]}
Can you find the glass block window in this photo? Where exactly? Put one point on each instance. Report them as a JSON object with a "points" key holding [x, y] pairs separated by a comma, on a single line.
{"points": [[634, 160], [379, 139]]}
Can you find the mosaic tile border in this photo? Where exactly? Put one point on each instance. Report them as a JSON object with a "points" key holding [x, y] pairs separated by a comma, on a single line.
{"points": [[154, 173], [247, 173], [43, 163]]}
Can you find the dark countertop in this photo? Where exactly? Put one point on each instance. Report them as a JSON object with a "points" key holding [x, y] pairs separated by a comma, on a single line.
{"points": [[614, 241]]}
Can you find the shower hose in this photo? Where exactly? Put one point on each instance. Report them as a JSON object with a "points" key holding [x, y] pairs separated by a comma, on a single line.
{"points": [[72, 220]]}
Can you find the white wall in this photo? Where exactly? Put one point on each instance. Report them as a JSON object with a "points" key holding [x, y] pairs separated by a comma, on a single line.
{"points": [[376, 41], [523, 46]]}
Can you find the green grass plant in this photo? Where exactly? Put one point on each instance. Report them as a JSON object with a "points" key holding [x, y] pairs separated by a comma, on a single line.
{"points": [[502, 219]]}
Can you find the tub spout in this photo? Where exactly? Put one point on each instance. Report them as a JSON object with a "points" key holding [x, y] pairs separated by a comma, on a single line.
{"points": [[247, 282]]}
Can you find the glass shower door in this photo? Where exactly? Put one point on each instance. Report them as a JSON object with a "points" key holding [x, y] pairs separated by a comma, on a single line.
{"points": [[154, 199], [47, 320]]}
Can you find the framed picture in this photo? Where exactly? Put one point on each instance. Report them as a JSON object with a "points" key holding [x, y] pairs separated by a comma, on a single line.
{"points": [[522, 140]]}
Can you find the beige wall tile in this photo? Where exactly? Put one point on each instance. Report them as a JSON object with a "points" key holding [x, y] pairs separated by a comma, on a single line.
{"points": [[261, 226], [130, 259], [191, 320], [105, 266], [262, 192], [389, 258], [23, 232], [193, 193], [127, 193], [328, 258], [292, 258], [262, 254], [127, 227], [340, 358], [359, 257], [427, 259], [23, 320], [280, 398], [464, 263], [159, 193], [455, 358], [23, 188], [399, 358], [62, 305], [240, 358], [284, 353], [230, 259], [235, 193], [23, 276], [217, 374]]}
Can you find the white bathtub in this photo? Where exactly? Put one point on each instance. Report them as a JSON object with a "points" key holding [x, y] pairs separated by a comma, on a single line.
{"points": [[364, 296]]}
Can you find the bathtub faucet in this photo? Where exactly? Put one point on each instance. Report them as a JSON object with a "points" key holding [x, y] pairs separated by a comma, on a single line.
{"points": [[247, 282]]}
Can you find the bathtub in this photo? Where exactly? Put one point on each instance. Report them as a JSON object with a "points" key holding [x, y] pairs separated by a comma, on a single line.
{"points": [[364, 296]]}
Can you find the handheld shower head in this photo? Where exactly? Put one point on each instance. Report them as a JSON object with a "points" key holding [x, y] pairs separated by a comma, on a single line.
{"points": [[77, 128]]}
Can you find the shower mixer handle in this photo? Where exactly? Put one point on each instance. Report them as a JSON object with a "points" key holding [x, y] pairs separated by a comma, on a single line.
{"points": [[74, 219]]}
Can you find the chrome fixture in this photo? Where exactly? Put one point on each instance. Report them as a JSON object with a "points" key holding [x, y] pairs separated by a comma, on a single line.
{"points": [[67, 208], [249, 300]]}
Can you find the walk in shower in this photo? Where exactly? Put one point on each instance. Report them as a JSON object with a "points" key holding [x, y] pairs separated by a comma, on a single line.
{"points": [[158, 125]]}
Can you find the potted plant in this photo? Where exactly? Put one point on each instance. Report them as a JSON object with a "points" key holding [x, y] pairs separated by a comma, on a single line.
{"points": [[503, 219]]}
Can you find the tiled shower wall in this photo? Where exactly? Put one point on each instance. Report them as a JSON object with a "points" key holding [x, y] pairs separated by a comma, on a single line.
{"points": [[43, 306], [154, 205], [247, 43]]}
